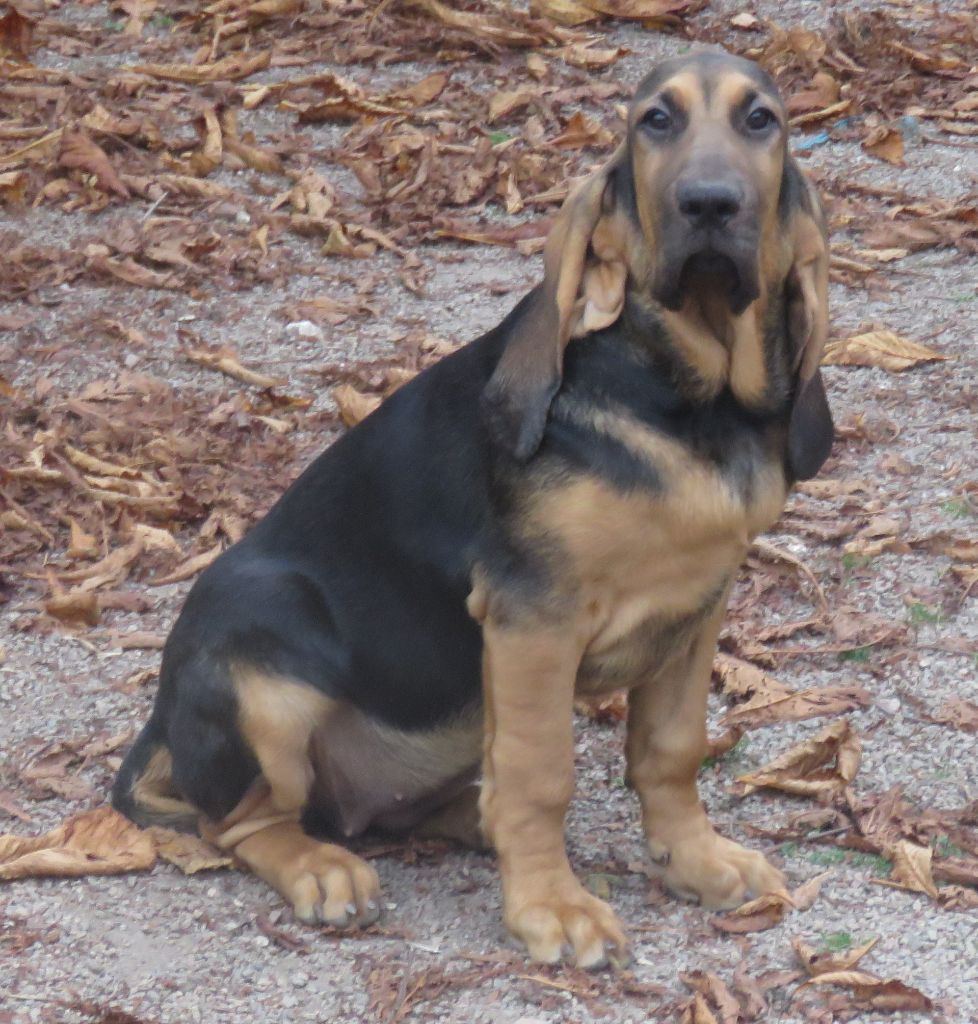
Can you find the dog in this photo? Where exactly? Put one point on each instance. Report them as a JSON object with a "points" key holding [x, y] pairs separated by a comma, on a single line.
{"points": [[558, 508]]}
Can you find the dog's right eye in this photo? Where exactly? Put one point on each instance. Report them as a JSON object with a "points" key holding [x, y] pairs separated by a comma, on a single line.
{"points": [[657, 119]]}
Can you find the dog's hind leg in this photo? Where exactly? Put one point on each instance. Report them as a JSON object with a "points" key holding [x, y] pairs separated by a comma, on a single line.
{"points": [[324, 882]]}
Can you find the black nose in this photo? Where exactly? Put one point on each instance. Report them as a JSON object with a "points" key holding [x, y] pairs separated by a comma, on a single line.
{"points": [[708, 203]]}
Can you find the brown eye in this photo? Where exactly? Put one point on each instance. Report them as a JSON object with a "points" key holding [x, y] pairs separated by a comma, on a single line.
{"points": [[657, 119], [759, 119]]}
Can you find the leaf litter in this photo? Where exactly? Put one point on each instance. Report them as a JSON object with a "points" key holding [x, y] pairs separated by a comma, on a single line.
{"points": [[108, 493]]}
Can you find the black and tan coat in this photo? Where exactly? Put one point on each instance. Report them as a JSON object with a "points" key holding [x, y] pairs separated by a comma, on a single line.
{"points": [[558, 508]]}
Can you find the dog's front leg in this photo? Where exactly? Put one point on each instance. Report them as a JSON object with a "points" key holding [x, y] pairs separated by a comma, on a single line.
{"points": [[665, 747], [528, 679]]}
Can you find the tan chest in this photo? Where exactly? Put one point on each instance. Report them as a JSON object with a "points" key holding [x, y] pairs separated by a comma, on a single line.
{"points": [[647, 564]]}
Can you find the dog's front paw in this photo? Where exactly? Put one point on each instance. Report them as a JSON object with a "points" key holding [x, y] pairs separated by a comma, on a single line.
{"points": [[329, 885], [557, 915], [715, 872]]}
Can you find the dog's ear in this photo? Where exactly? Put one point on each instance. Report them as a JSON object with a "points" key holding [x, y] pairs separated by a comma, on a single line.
{"points": [[583, 290], [810, 428]]}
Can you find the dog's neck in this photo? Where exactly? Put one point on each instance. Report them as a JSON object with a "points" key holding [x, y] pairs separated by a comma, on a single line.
{"points": [[715, 349]]}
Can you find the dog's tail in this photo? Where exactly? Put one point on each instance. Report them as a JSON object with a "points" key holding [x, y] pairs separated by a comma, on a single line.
{"points": [[144, 789]]}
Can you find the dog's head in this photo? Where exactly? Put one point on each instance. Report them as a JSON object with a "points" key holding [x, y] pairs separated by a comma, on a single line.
{"points": [[702, 214], [707, 143]]}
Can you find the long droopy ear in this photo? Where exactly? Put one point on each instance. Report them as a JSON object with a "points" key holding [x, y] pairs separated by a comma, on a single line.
{"points": [[810, 428], [583, 290]]}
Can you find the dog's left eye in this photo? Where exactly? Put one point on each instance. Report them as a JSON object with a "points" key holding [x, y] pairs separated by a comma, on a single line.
{"points": [[759, 119], [657, 119]]}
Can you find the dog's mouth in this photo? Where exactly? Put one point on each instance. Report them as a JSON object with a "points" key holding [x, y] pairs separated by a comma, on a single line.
{"points": [[713, 270]]}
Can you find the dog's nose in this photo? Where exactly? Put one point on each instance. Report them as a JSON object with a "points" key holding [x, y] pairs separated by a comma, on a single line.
{"points": [[708, 203]]}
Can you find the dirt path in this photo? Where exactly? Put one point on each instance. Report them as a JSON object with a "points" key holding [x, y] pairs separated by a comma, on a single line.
{"points": [[882, 531]]}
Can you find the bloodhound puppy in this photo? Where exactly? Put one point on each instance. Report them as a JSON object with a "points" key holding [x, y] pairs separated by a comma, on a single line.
{"points": [[557, 508]]}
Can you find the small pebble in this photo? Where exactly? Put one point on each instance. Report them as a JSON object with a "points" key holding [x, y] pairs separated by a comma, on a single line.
{"points": [[303, 329]]}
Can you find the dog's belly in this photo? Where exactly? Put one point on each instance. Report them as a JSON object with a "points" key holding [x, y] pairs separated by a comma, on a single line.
{"points": [[371, 774]]}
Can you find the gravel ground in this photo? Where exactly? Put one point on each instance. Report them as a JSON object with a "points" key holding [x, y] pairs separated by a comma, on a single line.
{"points": [[171, 949]]}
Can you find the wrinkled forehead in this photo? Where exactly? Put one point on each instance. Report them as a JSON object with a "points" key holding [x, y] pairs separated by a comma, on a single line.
{"points": [[705, 80]]}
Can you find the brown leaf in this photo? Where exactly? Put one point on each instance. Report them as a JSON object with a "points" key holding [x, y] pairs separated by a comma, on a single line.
{"points": [[697, 1012], [717, 746], [75, 607], [131, 272], [565, 12], [189, 568], [821, 766], [714, 990], [97, 842], [882, 349], [82, 544], [873, 993], [823, 92], [139, 12], [741, 679], [187, 852], [13, 188], [231, 68], [958, 713], [610, 709], [816, 963], [497, 30], [754, 916], [796, 707], [16, 35], [354, 405], [885, 143], [638, 10], [805, 895], [502, 104], [911, 868], [581, 132], [79, 151], [225, 360]]}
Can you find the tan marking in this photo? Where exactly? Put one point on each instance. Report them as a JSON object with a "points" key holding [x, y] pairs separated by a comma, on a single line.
{"points": [[528, 780], [664, 749], [323, 882], [277, 718], [154, 793], [730, 91], [634, 557]]}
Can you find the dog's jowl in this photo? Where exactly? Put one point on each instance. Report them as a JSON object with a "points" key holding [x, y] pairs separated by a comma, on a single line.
{"points": [[559, 507]]}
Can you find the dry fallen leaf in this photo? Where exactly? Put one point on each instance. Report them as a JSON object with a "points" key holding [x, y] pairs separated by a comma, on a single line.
{"points": [[911, 869], [226, 361], [715, 992], [886, 143], [16, 33], [958, 713], [354, 405], [816, 963], [883, 349], [79, 151], [739, 678], [796, 707], [872, 993], [97, 842], [805, 895], [74, 607], [231, 68], [697, 1012], [188, 852], [754, 916], [191, 567], [821, 766]]}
